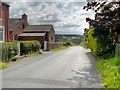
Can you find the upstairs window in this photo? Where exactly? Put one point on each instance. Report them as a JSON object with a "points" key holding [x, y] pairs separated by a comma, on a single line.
{"points": [[1, 33]]}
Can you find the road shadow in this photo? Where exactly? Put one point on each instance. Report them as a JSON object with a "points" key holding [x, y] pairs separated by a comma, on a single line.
{"points": [[87, 77]]}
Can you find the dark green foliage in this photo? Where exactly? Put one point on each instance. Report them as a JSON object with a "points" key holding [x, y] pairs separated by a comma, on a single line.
{"points": [[106, 27], [9, 50], [68, 44], [29, 47]]}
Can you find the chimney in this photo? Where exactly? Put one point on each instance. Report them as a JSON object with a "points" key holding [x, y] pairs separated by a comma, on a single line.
{"points": [[24, 16]]}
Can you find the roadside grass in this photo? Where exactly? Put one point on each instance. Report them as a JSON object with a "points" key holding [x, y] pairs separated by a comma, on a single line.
{"points": [[60, 48], [84, 45], [110, 75], [3, 65]]}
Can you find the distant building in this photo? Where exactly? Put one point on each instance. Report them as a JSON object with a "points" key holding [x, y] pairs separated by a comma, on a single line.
{"points": [[17, 25], [41, 33], [4, 22]]}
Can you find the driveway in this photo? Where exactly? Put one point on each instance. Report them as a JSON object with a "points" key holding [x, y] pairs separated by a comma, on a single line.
{"points": [[73, 67]]}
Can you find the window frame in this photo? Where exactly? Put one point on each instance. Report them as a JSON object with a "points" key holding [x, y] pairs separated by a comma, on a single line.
{"points": [[3, 34]]}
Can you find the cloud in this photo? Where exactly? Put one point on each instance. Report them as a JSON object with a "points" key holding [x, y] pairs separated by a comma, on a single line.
{"points": [[66, 17]]}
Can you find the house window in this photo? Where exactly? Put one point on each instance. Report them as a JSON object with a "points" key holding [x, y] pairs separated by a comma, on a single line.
{"points": [[1, 33]]}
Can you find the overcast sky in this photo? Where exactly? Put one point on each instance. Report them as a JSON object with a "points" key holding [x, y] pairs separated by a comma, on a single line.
{"points": [[66, 17]]}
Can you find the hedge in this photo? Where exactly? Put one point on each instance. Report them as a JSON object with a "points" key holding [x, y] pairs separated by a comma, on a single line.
{"points": [[29, 47], [9, 50]]}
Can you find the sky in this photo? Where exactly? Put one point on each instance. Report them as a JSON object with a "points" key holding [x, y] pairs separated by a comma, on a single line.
{"points": [[67, 17]]}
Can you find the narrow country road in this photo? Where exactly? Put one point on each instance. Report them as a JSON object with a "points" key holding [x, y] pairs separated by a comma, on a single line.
{"points": [[73, 67]]}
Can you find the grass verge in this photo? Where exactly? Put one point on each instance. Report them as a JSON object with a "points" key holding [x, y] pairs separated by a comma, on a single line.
{"points": [[84, 45], [3, 65], [60, 48], [110, 75]]}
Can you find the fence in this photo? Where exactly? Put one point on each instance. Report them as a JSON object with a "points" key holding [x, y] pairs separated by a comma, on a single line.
{"points": [[53, 45]]}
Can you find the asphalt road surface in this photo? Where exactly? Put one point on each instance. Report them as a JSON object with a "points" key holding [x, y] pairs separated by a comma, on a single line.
{"points": [[73, 67]]}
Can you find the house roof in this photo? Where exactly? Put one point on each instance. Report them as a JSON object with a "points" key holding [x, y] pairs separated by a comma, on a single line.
{"points": [[37, 28], [32, 34], [14, 22]]}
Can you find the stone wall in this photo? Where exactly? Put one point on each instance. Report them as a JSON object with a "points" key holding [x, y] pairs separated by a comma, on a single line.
{"points": [[53, 45]]}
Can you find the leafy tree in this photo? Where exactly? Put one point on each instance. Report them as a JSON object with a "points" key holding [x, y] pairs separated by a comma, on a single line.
{"points": [[106, 25]]}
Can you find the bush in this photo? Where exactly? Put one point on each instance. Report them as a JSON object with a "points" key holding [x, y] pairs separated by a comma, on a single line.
{"points": [[92, 42], [9, 50], [29, 47], [68, 44], [102, 45]]}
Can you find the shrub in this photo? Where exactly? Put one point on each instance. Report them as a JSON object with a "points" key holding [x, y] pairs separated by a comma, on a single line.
{"points": [[29, 47], [9, 50], [68, 44], [102, 45], [92, 42]]}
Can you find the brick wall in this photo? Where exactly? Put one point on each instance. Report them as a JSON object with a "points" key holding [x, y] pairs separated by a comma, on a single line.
{"points": [[5, 21], [51, 36], [18, 29]]}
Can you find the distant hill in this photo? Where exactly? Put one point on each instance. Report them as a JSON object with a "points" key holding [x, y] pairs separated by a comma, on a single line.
{"points": [[75, 38]]}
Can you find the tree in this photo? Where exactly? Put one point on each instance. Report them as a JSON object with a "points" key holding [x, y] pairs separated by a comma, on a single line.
{"points": [[106, 24]]}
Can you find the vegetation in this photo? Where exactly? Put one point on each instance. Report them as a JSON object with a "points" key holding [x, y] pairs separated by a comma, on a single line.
{"points": [[29, 47], [102, 38], [3, 65], [109, 71], [106, 26], [60, 48], [92, 42], [9, 50], [76, 39], [68, 43]]}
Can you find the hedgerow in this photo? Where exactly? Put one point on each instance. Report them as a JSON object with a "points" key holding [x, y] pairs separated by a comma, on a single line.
{"points": [[29, 47], [9, 50]]}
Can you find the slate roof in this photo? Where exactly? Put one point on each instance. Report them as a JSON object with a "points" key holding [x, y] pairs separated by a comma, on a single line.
{"points": [[32, 34], [37, 28], [14, 22]]}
